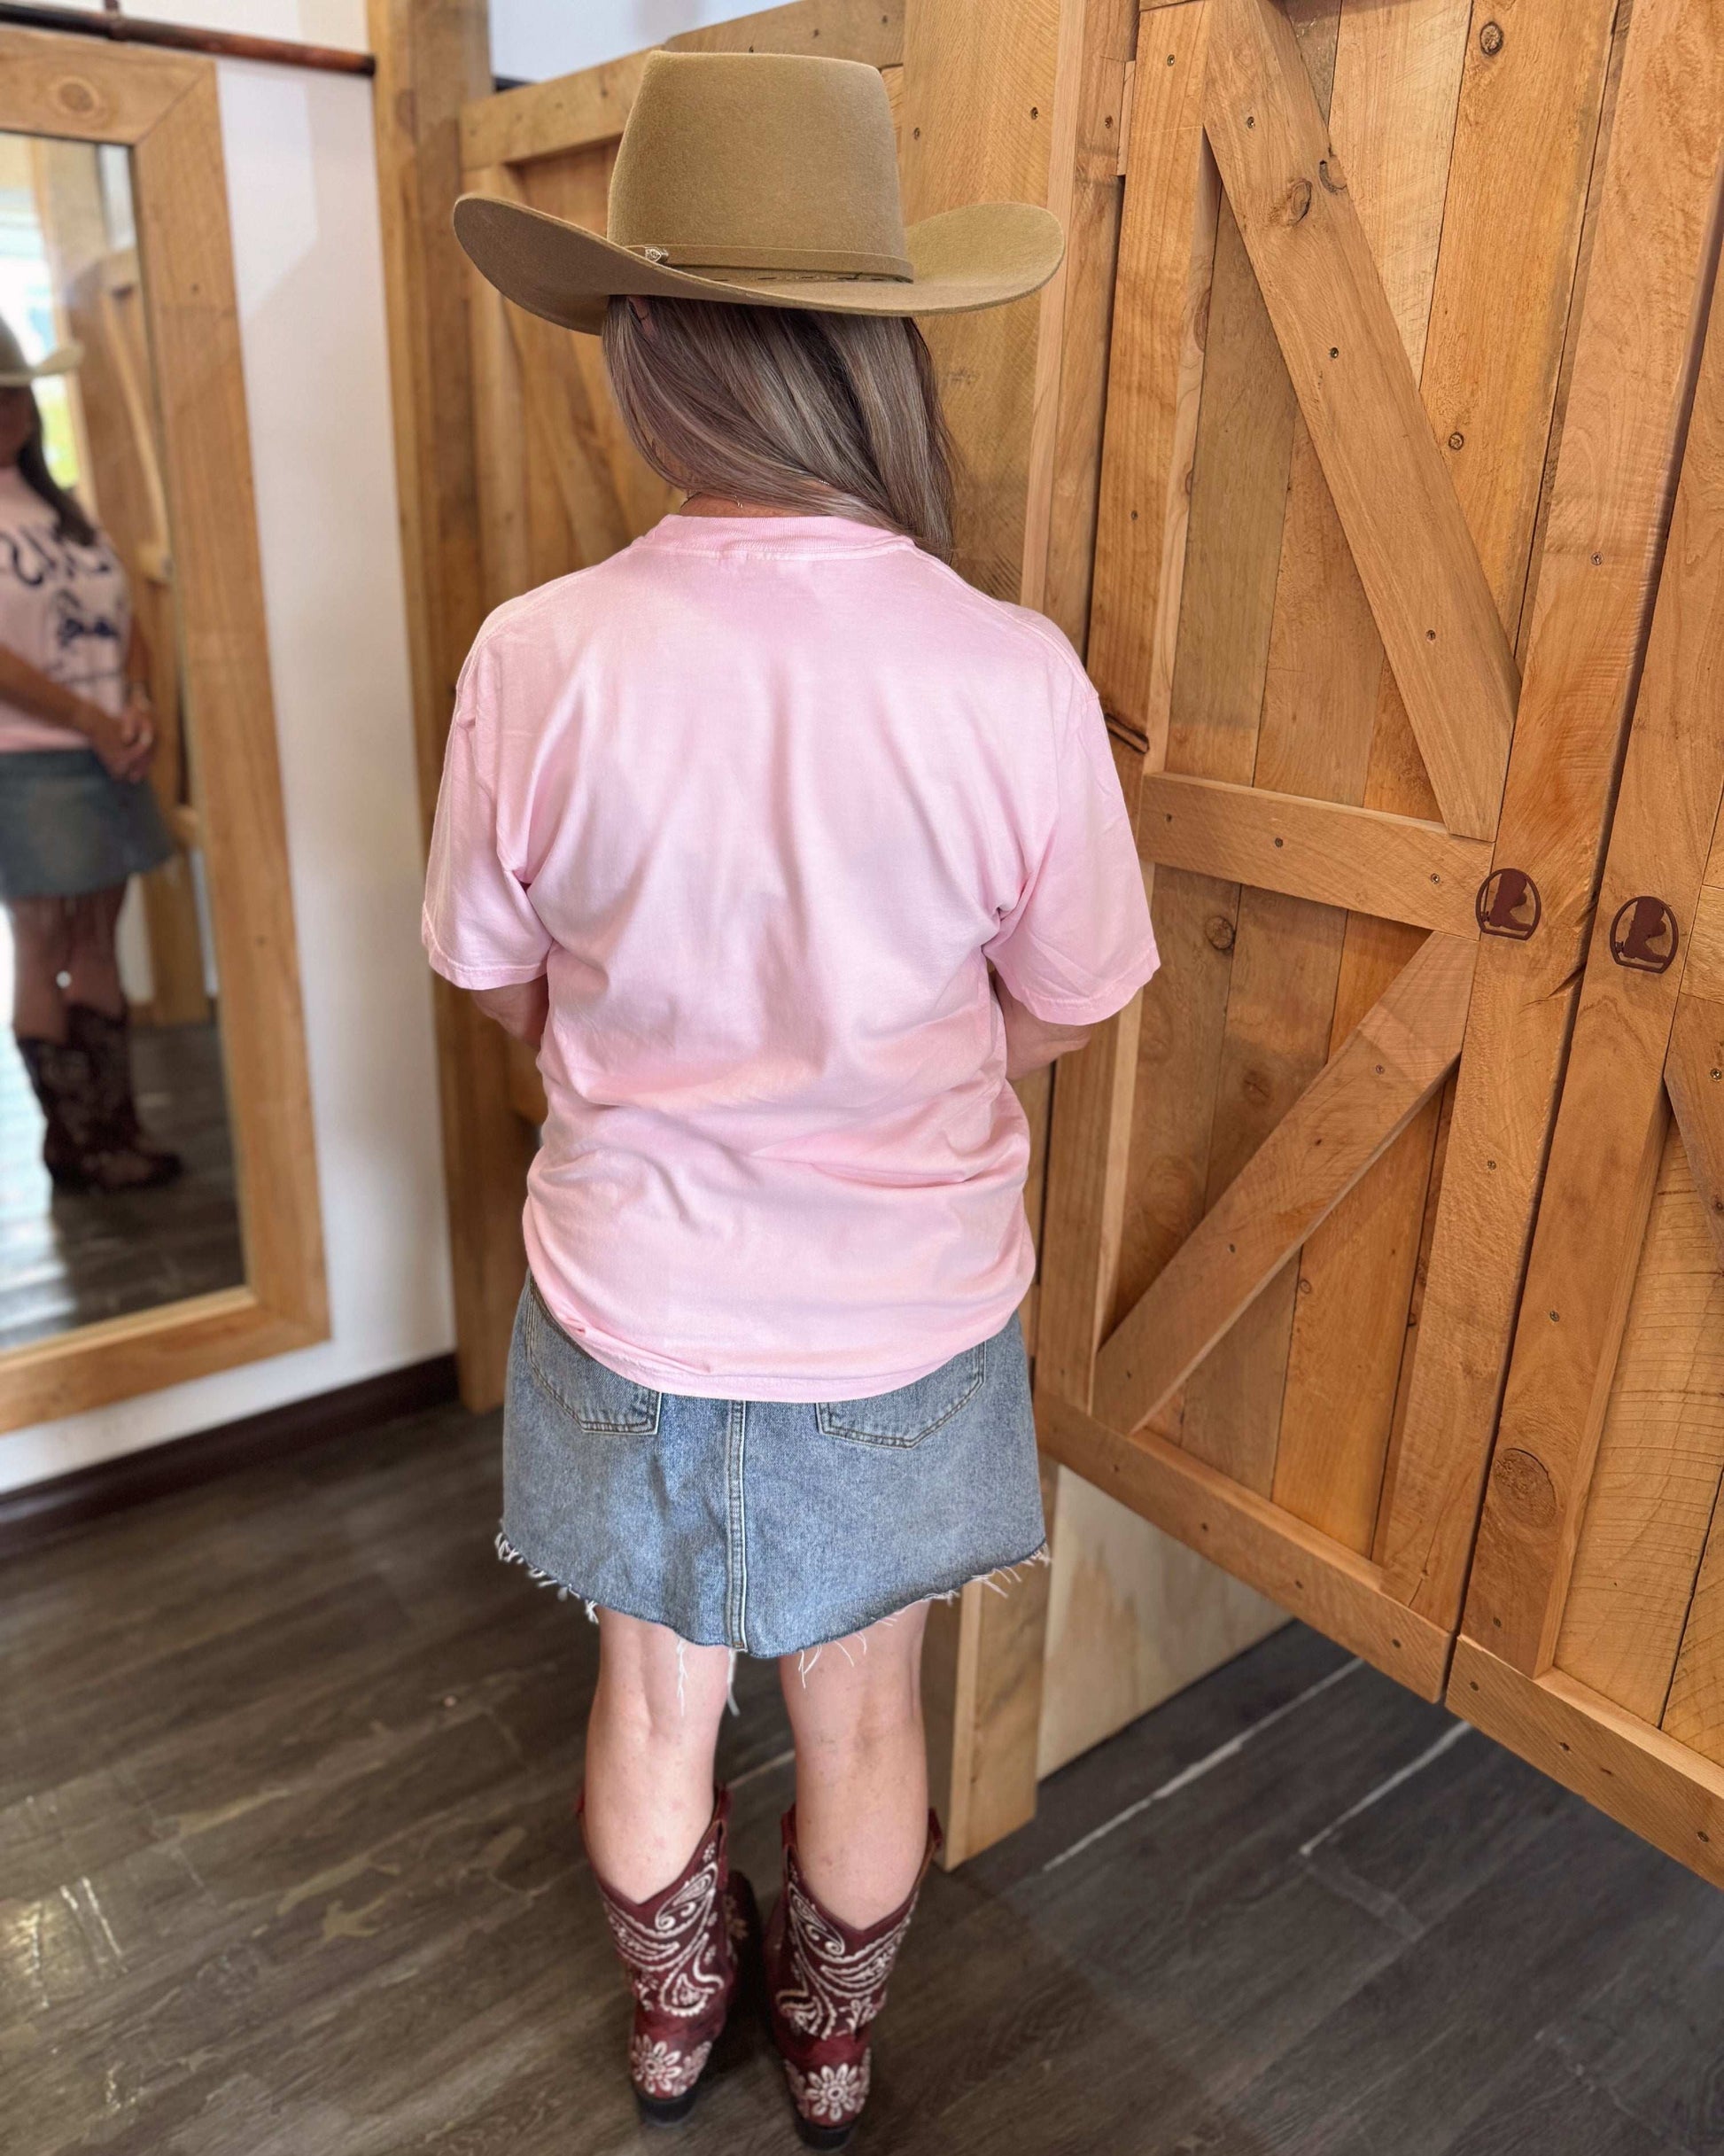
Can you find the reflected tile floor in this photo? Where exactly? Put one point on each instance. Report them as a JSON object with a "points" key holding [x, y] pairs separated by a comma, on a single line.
{"points": [[287, 1868], [70, 1258]]}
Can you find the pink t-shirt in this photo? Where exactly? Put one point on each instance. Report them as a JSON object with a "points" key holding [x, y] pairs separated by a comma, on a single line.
{"points": [[763, 797], [64, 608]]}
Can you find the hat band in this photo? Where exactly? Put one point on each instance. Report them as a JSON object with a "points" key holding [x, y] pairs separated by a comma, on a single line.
{"points": [[803, 262]]}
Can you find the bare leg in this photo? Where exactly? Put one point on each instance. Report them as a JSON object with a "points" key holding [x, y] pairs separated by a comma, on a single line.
{"points": [[93, 964], [650, 1741], [861, 1767], [41, 948]]}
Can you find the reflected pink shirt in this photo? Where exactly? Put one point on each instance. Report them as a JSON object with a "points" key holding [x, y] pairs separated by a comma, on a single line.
{"points": [[763, 797]]}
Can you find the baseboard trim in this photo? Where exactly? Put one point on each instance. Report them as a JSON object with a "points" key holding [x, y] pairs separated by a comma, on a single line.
{"points": [[41, 1511]]}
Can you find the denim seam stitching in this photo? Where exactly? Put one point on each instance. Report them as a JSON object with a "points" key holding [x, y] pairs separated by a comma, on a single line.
{"points": [[849, 1434], [737, 1553]]}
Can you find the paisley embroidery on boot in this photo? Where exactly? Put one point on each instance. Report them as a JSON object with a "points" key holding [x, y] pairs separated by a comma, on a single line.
{"points": [[660, 2069], [829, 2095], [676, 1957], [832, 1988]]}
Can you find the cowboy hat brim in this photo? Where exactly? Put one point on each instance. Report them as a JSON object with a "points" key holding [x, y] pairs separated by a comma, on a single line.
{"points": [[978, 256], [62, 359]]}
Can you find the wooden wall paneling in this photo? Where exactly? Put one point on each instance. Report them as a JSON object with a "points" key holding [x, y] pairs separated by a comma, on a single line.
{"points": [[1609, 1137], [1652, 1492], [1002, 108], [540, 119], [1626, 404], [1386, 1068], [1565, 1413], [1213, 1398], [1527, 121], [1131, 1615], [1165, 253], [1347, 363], [1390, 113], [432, 57]]}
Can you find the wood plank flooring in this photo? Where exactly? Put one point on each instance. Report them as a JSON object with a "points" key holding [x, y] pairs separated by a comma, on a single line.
{"points": [[69, 1258], [287, 1868]]}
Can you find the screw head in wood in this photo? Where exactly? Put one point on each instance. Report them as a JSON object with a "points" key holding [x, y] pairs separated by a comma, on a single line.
{"points": [[1458, 440]]}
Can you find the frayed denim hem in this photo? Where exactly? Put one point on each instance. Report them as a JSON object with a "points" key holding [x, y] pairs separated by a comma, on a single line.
{"points": [[807, 1653]]}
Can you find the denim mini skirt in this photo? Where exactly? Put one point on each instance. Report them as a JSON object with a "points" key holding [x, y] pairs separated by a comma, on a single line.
{"points": [[67, 826], [765, 1526]]}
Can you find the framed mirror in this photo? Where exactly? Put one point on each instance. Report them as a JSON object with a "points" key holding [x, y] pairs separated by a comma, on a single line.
{"points": [[159, 1209]]}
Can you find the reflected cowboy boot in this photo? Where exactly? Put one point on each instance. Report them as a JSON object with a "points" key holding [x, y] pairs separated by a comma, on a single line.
{"points": [[61, 1079], [825, 1983], [107, 1043], [684, 1949]]}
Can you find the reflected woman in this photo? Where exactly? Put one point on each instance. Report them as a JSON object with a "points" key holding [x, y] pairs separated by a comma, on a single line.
{"points": [[77, 817]]}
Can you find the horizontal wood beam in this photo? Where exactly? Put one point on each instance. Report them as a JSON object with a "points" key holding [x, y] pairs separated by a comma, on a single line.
{"points": [[573, 112], [1397, 505], [1346, 1118], [1669, 1795], [1394, 868], [1308, 1573]]}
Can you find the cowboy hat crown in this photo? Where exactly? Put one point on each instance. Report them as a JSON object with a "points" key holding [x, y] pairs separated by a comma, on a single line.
{"points": [[759, 179]]}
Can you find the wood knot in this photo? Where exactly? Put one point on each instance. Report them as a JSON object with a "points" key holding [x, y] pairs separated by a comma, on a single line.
{"points": [[1296, 202], [1329, 171], [72, 94], [1521, 1484], [1218, 932]]}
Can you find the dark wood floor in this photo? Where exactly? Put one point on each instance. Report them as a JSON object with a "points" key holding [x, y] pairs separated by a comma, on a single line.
{"points": [[70, 1258], [287, 1869]]}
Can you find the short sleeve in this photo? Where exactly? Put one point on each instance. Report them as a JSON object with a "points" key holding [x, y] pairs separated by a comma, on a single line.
{"points": [[1078, 944], [479, 927]]}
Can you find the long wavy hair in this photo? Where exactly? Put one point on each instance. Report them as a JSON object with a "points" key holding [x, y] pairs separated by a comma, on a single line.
{"points": [[71, 521], [834, 415]]}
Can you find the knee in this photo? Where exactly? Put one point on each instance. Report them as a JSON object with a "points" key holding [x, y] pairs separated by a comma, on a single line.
{"points": [[847, 1717], [660, 1706], [42, 931]]}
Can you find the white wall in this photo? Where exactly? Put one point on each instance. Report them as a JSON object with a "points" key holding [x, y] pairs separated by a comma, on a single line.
{"points": [[302, 190], [533, 39]]}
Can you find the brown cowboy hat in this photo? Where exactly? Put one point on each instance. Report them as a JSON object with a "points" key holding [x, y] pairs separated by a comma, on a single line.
{"points": [[762, 179]]}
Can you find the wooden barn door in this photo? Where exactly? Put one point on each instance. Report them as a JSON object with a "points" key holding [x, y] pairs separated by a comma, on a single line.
{"points": [[1402, 361], [1593, 1634]]}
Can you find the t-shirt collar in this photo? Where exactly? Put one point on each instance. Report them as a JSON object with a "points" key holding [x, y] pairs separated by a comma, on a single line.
{"points": [[784, 536]]}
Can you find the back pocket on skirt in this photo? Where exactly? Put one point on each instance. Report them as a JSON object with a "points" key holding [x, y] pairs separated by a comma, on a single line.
{"points": [[912, 1412], [596, 1399]]}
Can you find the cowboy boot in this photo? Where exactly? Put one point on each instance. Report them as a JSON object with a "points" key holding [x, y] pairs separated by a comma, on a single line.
{"points": [[139, 1161], [825, 1983], [60, 1079], [684, 1950]]}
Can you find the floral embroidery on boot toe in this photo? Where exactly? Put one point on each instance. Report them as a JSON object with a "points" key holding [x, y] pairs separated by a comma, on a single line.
{"points": [[830, 2095], [660, 2069]]}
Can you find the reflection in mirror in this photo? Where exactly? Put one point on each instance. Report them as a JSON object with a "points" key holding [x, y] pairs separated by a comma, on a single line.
{"points": [[116, 1170]]}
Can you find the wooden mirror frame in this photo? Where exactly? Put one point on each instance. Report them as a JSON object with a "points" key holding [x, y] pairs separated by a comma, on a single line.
{"points": [[162, 107]]}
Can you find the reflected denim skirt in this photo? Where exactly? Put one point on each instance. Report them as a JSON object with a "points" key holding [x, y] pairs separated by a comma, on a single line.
{"points": [[68, 827], [765, 1526]]}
